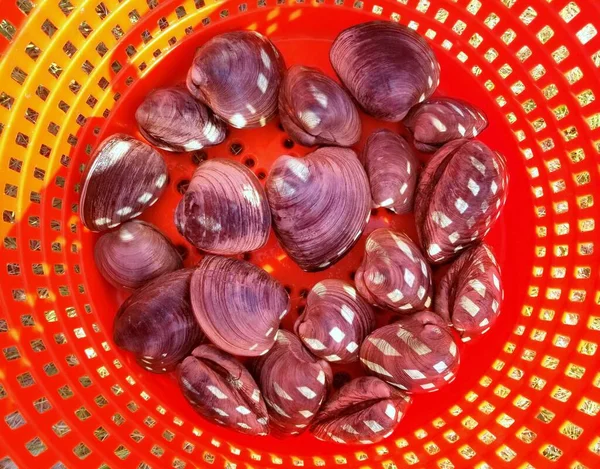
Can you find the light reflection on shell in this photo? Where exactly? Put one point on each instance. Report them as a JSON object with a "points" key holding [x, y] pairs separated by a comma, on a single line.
{"points": [[320, 205], [470, 294], [220, 389], [293, 383], [238, 305], [225, 209], [315, 110], [364, 411], [124, 178], [171, 119], [335, 321], [135, 254], [237, 75], [387, 67], [417, 354]]}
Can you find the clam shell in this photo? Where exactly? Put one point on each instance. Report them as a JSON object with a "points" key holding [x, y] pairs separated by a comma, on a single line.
{"points": [[293, 384], [157, 324], [440, 120], [315, 110], [238, 305], [124, 178], [225, 209], [135, 254], [387, 67], [392, 168], [364, 411], [220, 389], [171, 119], [237, 75], [459, 197], [416, 354], [393, 273], [320, 205], [470, 294], [335, 321]]}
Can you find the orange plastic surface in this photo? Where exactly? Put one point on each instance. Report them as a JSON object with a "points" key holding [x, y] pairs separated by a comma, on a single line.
{"points": [[527, 395]]}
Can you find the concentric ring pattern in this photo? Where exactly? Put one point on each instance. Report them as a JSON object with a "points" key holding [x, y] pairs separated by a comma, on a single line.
{"points": [[69, 399]]}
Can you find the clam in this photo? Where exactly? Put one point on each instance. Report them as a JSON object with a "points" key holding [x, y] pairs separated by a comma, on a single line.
{"points": [[387, 67], [315, 110], [238, 305], [220, 389], [124, 178], [157, 323], [320, 205], [237, 75], [135, 254], [392, 168], [364, 411], [470, 294], [393, 273], [171, 119], [335, 321], [459, 197], [416, 354], [438, 121], [225, 209], [293, 384]]}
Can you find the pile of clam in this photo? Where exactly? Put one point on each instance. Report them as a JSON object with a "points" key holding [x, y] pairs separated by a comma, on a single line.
{"points": [[218, 324]]}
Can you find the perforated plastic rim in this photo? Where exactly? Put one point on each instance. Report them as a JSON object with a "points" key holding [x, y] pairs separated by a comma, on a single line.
{"points": [[555, 338]]}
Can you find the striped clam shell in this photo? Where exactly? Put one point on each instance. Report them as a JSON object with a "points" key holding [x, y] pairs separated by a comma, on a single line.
{"points": [[470, 294], [293, 384], [124, 178], [320, 205], [156, 323], [392, 168], [237, 74], [417, 354], [220, 389], [335, 321], [364, 411], [171, 119], [393, 273], [460, 196], [225, 209], [387, 67], [238, 305], [438, 121], [315, 110]]}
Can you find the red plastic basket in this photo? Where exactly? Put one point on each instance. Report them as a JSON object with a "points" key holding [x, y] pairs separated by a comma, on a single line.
{"points": [[527, 395]]}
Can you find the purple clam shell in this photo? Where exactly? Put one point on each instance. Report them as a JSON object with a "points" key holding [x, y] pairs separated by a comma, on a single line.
{"points": [[320, 204], [364, 411], [225, 209], [393, 273], [171, 119], [220, 389], [238, 305], [392, 168], [156, 323], [237, 75], [124, 178], [416, 354], [315, 110], [293, 384], [387, 67], [335, 321], [438, 121], [459, 197], [135, 254], [470, 294]]}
